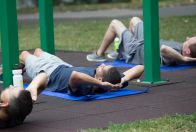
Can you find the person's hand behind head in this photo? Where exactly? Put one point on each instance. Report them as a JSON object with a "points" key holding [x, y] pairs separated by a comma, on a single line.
{"points": [[111, 87]]}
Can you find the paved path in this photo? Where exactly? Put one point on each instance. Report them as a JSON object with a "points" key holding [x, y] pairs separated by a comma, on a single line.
{"points": [[116, 13]]}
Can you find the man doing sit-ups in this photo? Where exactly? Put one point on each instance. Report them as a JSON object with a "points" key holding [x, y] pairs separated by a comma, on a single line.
{"points": [[131, 48]]}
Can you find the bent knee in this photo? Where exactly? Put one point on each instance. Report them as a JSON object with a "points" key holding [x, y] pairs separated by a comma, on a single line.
{"points": [[37, 52], [38, 49], [115, 22], [163, 49], [23, 55], [135, 20]]}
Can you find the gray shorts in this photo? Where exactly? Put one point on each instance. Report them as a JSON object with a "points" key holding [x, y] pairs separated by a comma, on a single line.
{"points": [[129, 41], [46, 62]]}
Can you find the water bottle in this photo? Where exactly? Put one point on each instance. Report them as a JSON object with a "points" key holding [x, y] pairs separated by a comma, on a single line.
{"points": [[17, 78], [116, 43]]}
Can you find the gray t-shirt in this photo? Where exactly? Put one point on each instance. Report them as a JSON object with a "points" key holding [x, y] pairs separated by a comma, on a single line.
{"points": [[130, 43], [138, 56], [174, 45], [131, 47]]}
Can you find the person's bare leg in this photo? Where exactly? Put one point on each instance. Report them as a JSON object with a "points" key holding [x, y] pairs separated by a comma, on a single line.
{"points": [[133, 22], [23, 56], [116, 27]]}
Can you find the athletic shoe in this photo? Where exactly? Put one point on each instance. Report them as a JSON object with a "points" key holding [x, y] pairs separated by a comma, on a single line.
{"points": [[113, 55], [95, 57]]}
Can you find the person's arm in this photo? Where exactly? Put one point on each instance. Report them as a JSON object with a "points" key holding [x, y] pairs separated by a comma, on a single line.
{"points": [[78, 78], [132, 73], [37, 85], [170, 53]]}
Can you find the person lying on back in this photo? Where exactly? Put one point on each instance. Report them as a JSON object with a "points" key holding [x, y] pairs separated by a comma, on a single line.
{"points": [[50, 72]]}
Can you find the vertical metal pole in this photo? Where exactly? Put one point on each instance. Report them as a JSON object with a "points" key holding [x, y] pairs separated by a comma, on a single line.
{"points": [[9, 39], [151, 41], [46, 25]]}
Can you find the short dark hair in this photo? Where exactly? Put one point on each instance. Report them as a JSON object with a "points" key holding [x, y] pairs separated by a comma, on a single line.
{"points": [[192, 50], [19, 108], [112, 75]]}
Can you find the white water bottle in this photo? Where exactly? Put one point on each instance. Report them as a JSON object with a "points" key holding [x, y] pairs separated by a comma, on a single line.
{"points": [[17, 78]]}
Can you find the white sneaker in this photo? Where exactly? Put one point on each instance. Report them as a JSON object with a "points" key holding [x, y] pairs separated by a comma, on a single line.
{"points": [[94, 57]]}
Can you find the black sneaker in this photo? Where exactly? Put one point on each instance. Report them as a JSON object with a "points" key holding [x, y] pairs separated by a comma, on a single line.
{"points": [[95, 57]]}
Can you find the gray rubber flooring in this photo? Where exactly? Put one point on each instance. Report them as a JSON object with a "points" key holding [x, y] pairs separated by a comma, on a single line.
{"points": [[52, 114]]}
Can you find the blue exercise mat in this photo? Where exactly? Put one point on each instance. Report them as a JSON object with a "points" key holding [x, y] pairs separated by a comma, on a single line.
{"points": [[118, 63], [121, 92]]}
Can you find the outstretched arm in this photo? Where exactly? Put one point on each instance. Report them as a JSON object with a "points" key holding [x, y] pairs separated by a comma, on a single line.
{"points": [[78, 78], [132, 73], [37, 85], [173, 54]]}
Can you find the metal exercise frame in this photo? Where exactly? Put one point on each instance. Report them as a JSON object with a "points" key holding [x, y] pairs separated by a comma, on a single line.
{"points": [[9, 34], [9, 37]]}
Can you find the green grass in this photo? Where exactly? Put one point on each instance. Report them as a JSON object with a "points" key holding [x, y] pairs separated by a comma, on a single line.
{"points": [[177, 28], [177, 123], [87, 35]]}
